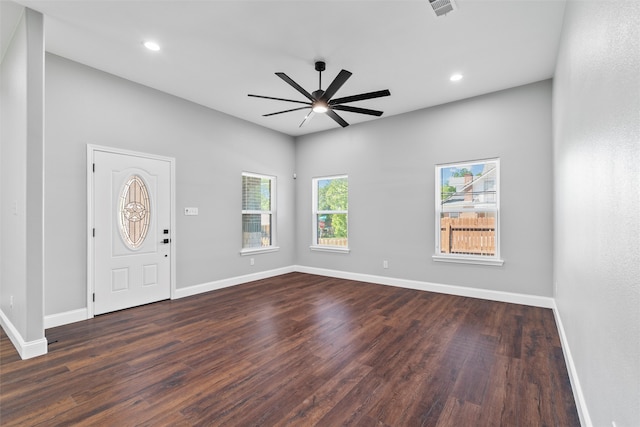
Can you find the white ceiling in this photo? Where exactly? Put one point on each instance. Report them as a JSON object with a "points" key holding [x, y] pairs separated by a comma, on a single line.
{"points": [[216, 52]]}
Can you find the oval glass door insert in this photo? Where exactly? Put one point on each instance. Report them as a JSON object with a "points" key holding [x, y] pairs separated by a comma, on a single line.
{"points": [[134, 212]]}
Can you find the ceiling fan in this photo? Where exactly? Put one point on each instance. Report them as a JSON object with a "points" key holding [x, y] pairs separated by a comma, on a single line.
{"points": [[320, 101]]}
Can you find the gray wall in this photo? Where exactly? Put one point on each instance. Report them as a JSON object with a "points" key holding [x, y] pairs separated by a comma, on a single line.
{"points": [[87, 106], [390, 163], [597, 203], [21, 178]]}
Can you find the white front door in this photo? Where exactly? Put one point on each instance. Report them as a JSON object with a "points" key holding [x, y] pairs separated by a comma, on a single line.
{"points": [[132, 230]]}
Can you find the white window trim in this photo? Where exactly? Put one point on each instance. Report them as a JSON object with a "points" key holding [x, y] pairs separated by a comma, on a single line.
{"points": [[253, 251], [314, 217], [495, 260], [469, 259], [335, 249], [273, 247]]}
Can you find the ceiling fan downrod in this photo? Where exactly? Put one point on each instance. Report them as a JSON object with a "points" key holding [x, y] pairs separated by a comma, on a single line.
{"points": [[320, 67]]}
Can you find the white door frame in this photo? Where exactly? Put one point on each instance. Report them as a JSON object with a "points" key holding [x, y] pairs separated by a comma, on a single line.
{"points": [[91, 149]]}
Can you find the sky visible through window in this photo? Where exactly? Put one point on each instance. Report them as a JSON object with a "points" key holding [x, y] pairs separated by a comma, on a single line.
{"points": [[323, 183]]}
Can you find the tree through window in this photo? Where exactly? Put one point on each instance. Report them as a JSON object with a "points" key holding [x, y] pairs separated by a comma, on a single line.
{"points": [[330, 211]]}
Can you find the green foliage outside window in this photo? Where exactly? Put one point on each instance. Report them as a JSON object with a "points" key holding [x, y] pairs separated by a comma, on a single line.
{"points": [[333, 196]]}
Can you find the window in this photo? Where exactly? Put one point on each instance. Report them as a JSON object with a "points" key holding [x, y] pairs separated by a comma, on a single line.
{"points": [[467, 212], [258, 212], [330, 213], [134, 212]]}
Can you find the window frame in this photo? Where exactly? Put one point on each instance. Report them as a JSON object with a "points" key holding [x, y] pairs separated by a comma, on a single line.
{"points": [[272, 211], [495, 259], [315, 212]]}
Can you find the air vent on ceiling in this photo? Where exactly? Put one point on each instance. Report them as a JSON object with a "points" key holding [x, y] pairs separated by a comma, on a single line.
{"points": [[442, 7]]}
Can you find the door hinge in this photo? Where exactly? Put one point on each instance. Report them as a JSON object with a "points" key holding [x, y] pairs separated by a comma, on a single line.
{"points": [[94, 167], [94, 297], [94, 232]]}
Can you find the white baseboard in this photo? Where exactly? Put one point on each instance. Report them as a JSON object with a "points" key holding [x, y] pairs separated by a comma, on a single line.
{"points": [[533, 300], [26, 349], [511, 297], [581, 403], [65, 318], [232, 281]]}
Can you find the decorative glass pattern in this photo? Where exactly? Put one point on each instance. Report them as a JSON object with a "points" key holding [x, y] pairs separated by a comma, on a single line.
{"points": [[134, 212]]}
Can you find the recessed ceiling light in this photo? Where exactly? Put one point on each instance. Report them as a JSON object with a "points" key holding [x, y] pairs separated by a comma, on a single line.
{"points": [[456, 77], [152, 46]]}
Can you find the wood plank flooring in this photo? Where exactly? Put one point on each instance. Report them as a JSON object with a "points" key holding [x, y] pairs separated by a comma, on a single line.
{"points": [[297, 350]]}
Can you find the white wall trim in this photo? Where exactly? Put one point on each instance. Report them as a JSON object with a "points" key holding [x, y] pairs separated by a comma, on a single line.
{"points": [[26, 349], [232, 281], [511, 297], [468, 259], [581, 403], [65, 318], [515, 298]]}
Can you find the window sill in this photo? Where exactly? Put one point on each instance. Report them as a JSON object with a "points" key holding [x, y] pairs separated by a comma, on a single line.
{"points": [[468, 260], [253, 251], [335, 249]]}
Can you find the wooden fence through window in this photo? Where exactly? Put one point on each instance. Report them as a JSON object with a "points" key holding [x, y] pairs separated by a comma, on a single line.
{"points": [[470, 236], [333, 241]]}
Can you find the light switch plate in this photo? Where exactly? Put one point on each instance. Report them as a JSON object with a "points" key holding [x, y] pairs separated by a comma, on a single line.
{"points": [[191, 211]]}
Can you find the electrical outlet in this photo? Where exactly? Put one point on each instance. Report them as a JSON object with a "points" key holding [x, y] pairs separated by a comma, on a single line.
{"points": [[385, 264], [251, 261]]}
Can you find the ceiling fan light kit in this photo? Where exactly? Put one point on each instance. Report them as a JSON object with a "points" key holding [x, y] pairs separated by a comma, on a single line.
{"points": [[320, 107], [322, 101]]}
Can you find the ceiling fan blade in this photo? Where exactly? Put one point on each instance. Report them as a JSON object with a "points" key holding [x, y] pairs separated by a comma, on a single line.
{"points": [[357, 110], [337, 118], [336, 84], [295, 85], [361, 97], [307, 118], [280, 99], [285, 111]]}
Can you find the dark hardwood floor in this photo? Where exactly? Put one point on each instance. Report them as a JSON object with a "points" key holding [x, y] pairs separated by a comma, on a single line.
{"points": [[299, 350]]}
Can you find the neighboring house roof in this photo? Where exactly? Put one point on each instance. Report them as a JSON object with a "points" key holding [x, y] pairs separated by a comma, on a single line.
{"points": [[457, 198]]}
